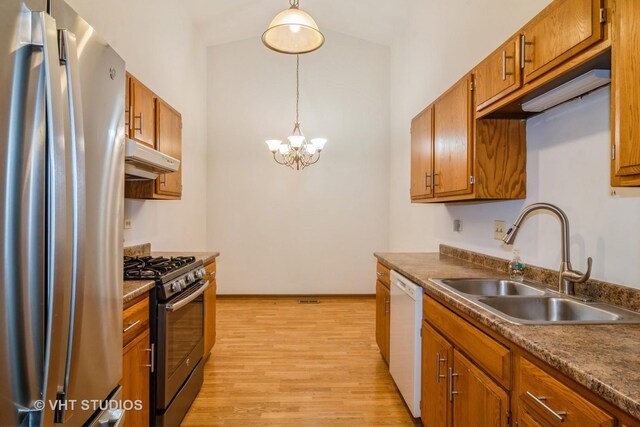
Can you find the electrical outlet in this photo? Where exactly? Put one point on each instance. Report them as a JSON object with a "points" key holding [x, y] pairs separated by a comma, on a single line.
{"points": [[498, 230], [127, 223], [457, 225]]}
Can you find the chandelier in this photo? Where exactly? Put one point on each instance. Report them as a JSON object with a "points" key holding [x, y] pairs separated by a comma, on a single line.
{"points": [[293, 31], [297, 152]]}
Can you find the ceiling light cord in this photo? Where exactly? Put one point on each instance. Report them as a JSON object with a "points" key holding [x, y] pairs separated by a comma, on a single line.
{"points": [[297, 87]]}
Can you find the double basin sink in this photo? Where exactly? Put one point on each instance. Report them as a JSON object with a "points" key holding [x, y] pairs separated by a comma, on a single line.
{"points": [[523, 303]]}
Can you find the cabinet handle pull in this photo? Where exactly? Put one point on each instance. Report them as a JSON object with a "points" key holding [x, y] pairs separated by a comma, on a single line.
{"points": [[451, 392], [434, 182], [540, 400], [504, 65], [379, 274], [131, 326], [140, 117], [439, 360], [152, 357], [163, 179], [387, 302], [427, 177]]}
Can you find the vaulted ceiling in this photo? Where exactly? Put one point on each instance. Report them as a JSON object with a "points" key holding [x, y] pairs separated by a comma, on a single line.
{"points": [[223, 21]]}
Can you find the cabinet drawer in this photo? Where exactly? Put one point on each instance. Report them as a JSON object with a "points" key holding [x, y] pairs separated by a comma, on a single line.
{"points": [[135, 320], [210, 270], [487, 353], [551, 402], [384, 274]]}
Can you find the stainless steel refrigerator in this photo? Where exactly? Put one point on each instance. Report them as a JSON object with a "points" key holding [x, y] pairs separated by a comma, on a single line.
{"points": [[61, 210]]}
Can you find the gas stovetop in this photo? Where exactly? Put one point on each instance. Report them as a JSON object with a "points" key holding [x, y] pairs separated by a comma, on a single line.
{"points": [[172, 275]]}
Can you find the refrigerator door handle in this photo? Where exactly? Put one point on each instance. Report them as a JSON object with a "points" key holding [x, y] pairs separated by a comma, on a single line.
{"points": [[58, 251], [76, 173]]}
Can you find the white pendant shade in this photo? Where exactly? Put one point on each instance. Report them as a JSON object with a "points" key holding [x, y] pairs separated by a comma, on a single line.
{"points": [[273, 144], [319, 143], [296, 140], [294, 32]]}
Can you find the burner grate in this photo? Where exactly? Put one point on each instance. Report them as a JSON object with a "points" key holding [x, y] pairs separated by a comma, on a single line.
{"points": [[148, 267]]}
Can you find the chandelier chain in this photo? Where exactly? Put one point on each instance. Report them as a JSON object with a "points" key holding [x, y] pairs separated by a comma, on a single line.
{"points": [[297, 86], [294, 3]]}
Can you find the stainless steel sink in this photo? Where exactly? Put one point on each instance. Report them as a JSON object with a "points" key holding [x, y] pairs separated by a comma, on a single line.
{"points": [[489, 287], [549, 309], [527, 305]]}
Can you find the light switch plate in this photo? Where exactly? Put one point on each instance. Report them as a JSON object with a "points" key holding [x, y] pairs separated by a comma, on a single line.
{"points": [[127, 223], [457, 225], [498, 229]]}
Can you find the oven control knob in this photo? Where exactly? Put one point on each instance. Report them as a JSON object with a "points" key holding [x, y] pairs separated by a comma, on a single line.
{"points": [[175, 287], [200, 273], [190, 278], [183, 284]]}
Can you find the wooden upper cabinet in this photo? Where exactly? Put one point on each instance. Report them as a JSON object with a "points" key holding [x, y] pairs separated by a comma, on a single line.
{"points": [[561, 30], [499, 74], [142, 116], [453, 140], [477, 400], [169, 141], [625, 94], [422, 155]]}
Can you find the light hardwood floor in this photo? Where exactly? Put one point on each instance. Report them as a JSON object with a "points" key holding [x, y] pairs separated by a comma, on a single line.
{"points": [[280, 363]]}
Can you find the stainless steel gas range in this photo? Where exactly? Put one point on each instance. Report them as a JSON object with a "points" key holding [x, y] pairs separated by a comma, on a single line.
{"points": [[177, 325]]}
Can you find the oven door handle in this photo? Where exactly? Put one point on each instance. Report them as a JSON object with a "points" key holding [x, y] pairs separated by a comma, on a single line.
{"points": [[181, 303]]}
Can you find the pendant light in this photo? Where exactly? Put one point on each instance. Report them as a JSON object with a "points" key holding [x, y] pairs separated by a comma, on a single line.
{"points": [[297, 152], [293, 31]]}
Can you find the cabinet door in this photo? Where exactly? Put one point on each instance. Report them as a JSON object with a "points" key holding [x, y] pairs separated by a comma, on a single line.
{"points": [[210, 309], [143, 117], [625, 94], [563, 29], [169, 141], [453, 140], [477, 400], [499, 74], [422, 155], [136, 362], [527, 419], [383, 319], [436, 360]]}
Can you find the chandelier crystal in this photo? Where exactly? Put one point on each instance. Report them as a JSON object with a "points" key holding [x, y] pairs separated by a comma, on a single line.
{"points": [[296, 152]]}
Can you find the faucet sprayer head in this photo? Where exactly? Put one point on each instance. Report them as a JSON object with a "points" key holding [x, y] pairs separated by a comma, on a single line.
{"points": [[510, 236]]}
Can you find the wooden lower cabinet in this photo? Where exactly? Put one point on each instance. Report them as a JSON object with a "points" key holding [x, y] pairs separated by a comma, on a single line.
{"points": [[210, 309], [137, 357], [383, 318], [437, 354], [477, 400]]}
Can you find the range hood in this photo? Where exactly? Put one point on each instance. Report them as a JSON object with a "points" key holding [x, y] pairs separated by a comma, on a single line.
{"points": [[143, 162], [579, 86]]}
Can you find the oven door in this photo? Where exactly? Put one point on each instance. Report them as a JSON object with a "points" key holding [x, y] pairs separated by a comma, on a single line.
{"points": [[180, 341]]}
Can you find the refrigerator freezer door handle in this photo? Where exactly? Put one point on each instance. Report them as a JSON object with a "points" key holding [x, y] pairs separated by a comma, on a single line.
{"points": [[58, 249], [76, 173]]}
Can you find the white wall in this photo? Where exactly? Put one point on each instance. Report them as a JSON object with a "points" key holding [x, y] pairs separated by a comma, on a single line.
{"points": [[298, 232], [567, 149], [158, 41]]}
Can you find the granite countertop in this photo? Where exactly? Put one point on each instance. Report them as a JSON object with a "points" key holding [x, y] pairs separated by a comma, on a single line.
{"points": [[131, 289], [603, 358], [206, 257]]}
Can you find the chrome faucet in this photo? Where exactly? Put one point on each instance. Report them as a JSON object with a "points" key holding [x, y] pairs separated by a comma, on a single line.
{"points": [[567, 276]]}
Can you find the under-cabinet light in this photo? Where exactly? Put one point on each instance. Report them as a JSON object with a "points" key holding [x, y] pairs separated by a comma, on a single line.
{"points": [[573, 88]]}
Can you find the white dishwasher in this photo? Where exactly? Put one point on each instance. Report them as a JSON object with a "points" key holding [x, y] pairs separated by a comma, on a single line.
{"points": [[405, 345]]}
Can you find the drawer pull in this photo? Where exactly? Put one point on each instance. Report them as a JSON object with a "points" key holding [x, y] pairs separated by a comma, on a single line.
{"points": [[540, 400], [451, 392], [152, 357], [131, 326], [379, 274], [439, 360]]}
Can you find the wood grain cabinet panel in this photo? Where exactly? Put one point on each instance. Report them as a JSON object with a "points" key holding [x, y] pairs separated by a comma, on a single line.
{"points": [[453, 140], [383, 274], [383, 319], [499, 74], [135, 320], [477, 400], [437, 358], [142, 116], [136, 362], [422, 155], [210, 309], [552, 403], [625, 94], [169, 142], [561, 30]]}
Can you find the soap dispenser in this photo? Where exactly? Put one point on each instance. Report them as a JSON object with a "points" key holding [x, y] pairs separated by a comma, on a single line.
{"points": [[516, 267]]}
